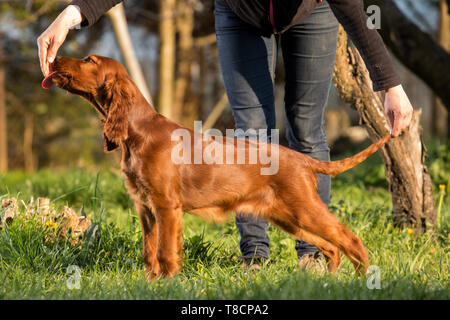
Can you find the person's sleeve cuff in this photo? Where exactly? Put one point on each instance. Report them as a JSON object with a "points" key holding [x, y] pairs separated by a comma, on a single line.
{"points": [[387, 83], [87, 11]]}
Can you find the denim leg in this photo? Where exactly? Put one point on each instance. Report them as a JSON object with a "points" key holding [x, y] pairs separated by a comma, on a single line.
{"points": [[309, 50], [247, 62]]}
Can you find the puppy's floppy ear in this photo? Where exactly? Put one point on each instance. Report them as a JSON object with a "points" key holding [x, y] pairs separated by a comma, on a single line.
{"points": [[120, 97]]}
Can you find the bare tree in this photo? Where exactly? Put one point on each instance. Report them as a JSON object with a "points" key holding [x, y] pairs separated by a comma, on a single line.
{"points": [[119, 22], [216, 112], [415, 49], [3, 129], [409, 181], [185, 27], [28, 135], [167, 32], [439, 114]]}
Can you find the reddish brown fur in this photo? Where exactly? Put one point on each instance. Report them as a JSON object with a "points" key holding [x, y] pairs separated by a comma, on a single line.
{"points": [[163, 190]]}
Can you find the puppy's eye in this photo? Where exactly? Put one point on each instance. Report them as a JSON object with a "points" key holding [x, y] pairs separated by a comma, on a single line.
{"points": [[88, 59]]}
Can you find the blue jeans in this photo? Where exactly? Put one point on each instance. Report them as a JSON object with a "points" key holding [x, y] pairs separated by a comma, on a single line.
{"points": [[248, 62]]}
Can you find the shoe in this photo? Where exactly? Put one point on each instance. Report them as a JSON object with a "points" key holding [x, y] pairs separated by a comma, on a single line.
{"points": [[252, 263], [312, 262]]}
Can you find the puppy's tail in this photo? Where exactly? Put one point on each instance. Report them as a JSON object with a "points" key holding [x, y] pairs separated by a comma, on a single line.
{"points": [[333, 168]]}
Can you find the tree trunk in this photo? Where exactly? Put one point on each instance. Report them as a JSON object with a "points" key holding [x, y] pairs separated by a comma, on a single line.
{"points": [[166, 57], [216, 112], [28, 134], [440, 117], [409, 181], [3, 129], [415, 49], [119, 22], [185, 27]]}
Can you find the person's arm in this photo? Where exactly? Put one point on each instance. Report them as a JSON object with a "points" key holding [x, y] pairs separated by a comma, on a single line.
{"points": [[79, 12], [351, 14], [92, 10], [398, 108]]}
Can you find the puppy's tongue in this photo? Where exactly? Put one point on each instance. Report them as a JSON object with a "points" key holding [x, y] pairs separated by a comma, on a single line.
{"points": [[47, 83]]}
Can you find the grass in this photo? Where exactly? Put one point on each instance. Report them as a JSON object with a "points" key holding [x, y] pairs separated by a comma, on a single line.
{"points": [[411, 266]]}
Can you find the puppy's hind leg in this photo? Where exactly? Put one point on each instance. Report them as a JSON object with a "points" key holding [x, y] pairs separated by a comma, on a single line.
{"points": [[331, 252], [317, 220]]}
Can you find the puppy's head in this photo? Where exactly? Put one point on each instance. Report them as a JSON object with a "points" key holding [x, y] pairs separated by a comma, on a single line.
{"points": [[104, 82]]}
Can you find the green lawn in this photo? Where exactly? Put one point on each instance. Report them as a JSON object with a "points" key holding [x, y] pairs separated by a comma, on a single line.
{"points": [[410, 266]]}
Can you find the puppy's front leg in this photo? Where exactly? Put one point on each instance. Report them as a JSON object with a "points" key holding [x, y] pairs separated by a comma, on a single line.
{"points": [[149, 239], [168, 220]]}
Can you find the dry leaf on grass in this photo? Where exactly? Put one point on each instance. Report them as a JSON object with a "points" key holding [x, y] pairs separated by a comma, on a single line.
{"points": [[72, 223], [67, 222], [10, 204]]}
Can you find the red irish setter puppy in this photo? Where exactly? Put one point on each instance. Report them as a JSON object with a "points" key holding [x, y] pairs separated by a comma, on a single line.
{"points": [[162, 189]]}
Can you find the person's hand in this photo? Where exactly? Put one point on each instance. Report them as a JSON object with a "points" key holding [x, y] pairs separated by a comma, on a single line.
{"points": [[52, 38], [398, 109]]}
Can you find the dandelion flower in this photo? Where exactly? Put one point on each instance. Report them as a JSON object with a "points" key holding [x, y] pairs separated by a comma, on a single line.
{"points": [[51, 224], [410, 231]]}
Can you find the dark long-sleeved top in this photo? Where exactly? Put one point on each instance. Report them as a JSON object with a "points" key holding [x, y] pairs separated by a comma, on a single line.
{"points": [[350, 13]]}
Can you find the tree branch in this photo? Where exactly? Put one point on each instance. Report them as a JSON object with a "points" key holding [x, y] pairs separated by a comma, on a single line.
{"points": [[415, 49]]}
